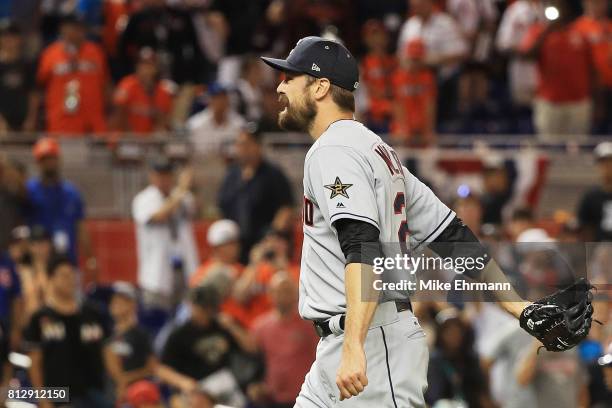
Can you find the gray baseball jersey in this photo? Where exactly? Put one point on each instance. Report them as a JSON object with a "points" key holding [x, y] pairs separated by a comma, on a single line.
{"points": [[349, 172]]}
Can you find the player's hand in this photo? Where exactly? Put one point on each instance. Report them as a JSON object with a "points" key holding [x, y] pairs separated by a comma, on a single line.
{"points": [[351, 378]]}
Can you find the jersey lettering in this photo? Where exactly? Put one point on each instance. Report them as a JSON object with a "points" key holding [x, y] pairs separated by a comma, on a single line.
{"points": [[390, 158]]}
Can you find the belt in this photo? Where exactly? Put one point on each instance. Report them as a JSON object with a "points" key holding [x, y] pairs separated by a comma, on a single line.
{"points": [[323, 330]]}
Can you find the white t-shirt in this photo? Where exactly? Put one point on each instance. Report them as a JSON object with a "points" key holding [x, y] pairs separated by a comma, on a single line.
{"points": [[517, 19], [441, 36], [208, 136], [156, 245]]}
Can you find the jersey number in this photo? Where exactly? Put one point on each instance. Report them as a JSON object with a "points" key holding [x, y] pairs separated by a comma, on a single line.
{"points": [[398, 208], [308, 212]]}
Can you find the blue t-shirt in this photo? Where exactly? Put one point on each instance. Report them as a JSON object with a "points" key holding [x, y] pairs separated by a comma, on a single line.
{"points": [[58, 208], [10, 287]]}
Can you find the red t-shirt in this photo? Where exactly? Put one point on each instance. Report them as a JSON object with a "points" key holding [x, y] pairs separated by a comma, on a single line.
{"points": [[143, 107], [289, 347], [564, 64], [74, 85], [599, 35], [414, 91], [376, 72]]}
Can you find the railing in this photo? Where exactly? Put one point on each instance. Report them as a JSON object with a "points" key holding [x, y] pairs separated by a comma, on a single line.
{"points": [[110, 170]]}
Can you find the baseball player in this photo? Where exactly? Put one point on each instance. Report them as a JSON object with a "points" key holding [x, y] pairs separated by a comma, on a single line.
{"points": [[357, 192]]}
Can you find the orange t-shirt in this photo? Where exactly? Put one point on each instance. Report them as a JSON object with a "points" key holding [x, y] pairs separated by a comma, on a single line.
{"points": [[599, 35], [414, 91], [74, 88], [143, 107], [376, 71], [259, 304], [564, 64]]}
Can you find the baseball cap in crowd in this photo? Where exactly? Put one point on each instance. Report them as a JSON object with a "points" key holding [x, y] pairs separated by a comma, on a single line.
{"points": [[215, 89], [125, 289], [9, 27], [222, 232], [20, 233], [603, 151], [39, 233], [46, 147], [206, 296], [143, 392], [606, 359], [147, 54], [320, 58], [161, 164]]}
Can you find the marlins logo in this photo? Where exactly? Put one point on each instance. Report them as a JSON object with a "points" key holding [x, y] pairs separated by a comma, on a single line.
{"points": [[338, 189]]}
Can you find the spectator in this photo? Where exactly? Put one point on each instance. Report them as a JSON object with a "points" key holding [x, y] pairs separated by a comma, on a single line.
{"points": [[415, 97], [445, 49], [282, 336], [11, 301], [212, 129], [250, 297], [476, 19], [57, 205], [18, 98], [519, 16], [563, 106], [170, 33], [455, 372], [144, 394], [270, 108], [469, 210], [508, 344], [595, 26], [167, 254], [130, 342], [144, 101], [595, 208], [521, 220], [558, 379], [255, 193], [75, 77], [249, 88], [377, 68], [33, 272], [13, 199], [202, 346], [67, 342], [497, 190], [222, 267]]}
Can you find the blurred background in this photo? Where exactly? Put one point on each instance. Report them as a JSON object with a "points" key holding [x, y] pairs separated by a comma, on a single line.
{"points": [[150, 211]]}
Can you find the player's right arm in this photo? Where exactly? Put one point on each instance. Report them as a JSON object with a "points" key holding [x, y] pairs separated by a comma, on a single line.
{"points": [[341, 182]]}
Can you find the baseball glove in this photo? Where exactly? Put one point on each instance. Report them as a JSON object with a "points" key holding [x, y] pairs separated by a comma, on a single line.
{"points": [[561, 320]]}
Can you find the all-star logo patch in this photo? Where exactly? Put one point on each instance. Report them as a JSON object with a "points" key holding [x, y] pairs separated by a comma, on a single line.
{"points": [[338, 189]]}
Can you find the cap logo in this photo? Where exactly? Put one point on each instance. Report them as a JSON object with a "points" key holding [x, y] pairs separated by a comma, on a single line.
{"points": [[356, 85], [315, 67]]}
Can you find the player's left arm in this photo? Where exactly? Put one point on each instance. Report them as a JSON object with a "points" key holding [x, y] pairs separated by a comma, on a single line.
{"points": [[457, 240]]}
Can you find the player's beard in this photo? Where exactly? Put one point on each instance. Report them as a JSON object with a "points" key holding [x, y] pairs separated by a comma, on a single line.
{"points": [[297, 117]]}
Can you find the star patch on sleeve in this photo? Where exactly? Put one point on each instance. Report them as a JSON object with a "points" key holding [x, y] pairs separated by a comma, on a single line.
{"points": [[338, 189]]}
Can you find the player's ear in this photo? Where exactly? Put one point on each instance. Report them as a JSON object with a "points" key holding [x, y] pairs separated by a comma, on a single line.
{"points": [[321, 88]]}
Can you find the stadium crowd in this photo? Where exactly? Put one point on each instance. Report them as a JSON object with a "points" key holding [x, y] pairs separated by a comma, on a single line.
{"points": [[196, 332]]}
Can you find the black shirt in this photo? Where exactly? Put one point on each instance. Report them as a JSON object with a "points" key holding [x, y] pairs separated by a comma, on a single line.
{"points": [[254, 203], [197, 351], [16, 83], [133, 348], [72, 347], [595, 211], [166, 30]]}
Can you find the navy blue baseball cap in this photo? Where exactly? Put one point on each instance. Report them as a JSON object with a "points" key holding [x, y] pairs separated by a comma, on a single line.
{"points": [[320, 58]]}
